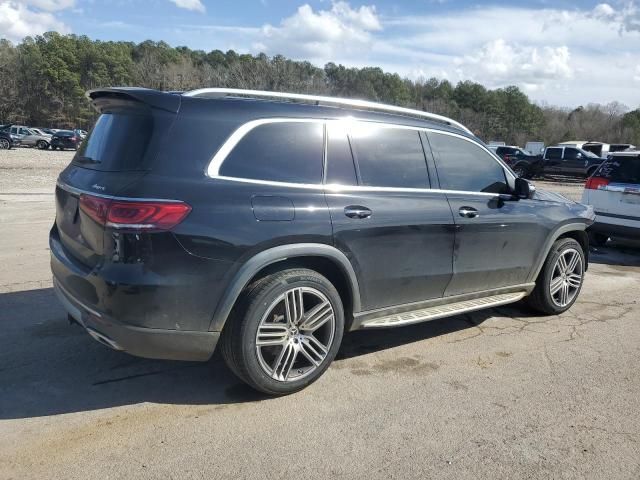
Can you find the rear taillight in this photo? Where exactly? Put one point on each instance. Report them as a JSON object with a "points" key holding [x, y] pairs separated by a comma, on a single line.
{"points": [[133, 214], [594, 183]]}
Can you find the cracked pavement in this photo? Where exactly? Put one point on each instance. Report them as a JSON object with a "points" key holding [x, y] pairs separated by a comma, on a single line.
{"points": [[501, 393]]}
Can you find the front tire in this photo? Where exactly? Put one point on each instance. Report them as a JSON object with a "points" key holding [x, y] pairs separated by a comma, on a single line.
{"points": [[5, 144], [42, 145], [284, 332], [560, 281]]}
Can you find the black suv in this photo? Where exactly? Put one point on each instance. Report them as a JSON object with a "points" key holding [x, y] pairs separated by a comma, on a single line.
{"points": [[270, 224]]}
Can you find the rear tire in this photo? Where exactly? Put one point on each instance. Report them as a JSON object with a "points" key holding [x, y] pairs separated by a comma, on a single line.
{"points": [[5, 144], [284, 331], [560, 280]]}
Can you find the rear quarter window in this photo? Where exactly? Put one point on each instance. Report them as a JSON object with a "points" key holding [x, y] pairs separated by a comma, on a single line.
{"points": [[290, 152], [117, 142], [621, 170]]}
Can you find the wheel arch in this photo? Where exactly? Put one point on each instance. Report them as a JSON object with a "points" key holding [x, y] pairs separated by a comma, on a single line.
{"points": [[325, 259], [576, 230]]}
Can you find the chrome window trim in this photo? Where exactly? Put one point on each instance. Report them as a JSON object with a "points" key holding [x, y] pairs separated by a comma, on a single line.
{"points": [[79, 191], [337, 188], [213, 169]]}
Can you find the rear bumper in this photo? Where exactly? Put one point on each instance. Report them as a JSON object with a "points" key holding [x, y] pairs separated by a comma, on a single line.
{"points": [[138, 341]]}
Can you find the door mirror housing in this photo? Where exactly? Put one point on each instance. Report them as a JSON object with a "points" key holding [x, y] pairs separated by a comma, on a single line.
{"points": [[523, 189]]}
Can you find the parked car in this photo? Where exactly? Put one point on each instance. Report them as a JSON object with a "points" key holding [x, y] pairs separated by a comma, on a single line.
{"points": [[614, 193], [81, 133], [48, 131], [30, 137], [560, 160], [272, 227], [521, 162], [6, 141], [65, 139]]}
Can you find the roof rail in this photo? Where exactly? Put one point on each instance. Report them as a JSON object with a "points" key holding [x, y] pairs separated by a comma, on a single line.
{"points": [[317, 99]]}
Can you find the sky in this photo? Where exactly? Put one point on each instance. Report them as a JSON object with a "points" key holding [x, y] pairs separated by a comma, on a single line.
{"points": [[560, 53]]}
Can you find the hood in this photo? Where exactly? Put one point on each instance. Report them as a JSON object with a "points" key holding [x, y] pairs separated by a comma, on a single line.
{"points": [[548, 196]]}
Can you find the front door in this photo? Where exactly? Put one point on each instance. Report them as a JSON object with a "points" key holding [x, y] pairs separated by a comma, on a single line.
{"points": [[497, 240], [395, 231]]}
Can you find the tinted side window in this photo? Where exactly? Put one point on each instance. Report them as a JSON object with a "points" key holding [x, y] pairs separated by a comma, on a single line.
{"points": [[463, 165], [389, 157], [554, 153], [570, 153], [340, 167], [280, 152]]}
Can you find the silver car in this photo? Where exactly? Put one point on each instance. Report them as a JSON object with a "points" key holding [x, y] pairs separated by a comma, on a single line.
{"points": [[31, 137]]}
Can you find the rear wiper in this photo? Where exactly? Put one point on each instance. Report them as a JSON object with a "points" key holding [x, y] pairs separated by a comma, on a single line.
{"points": [[82, 159]]}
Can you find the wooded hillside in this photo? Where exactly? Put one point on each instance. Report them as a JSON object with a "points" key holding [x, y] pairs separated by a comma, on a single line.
{"points": [[43, 81]]}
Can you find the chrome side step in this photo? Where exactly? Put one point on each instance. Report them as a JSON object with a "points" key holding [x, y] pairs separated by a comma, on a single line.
{"points": [[440, 311]]}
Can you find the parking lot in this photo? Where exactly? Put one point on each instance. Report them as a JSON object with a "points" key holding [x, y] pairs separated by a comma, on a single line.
{"points": [[501, 393]]}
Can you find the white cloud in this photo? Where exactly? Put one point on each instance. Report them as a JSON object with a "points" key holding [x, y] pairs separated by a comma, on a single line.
{"points": [[497, 63], [18, 20], [195, 5], [636, 77], [565, 57], [323, 34], [50, 5]]}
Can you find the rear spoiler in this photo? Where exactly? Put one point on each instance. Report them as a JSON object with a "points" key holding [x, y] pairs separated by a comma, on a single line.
{"points": [[103, 98]]}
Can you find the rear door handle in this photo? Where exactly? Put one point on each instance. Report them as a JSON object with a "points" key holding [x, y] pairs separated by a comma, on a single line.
{"points": [[357, 211], [468, 212]]}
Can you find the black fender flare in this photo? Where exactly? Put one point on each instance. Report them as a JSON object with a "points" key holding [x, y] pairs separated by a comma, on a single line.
{"points": [[557, 233], [277, 254]]}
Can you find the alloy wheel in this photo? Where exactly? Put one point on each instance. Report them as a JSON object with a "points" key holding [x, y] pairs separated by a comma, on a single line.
{"points": [[566, 278], [4, 144], [296, 334]]}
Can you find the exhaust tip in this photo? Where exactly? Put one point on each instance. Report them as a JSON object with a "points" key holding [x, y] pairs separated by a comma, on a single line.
{"points": [[103, 339]]}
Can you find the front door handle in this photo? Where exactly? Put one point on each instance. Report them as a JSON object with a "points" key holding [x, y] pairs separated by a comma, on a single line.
{"points": [[357, 211], [468, 212]]}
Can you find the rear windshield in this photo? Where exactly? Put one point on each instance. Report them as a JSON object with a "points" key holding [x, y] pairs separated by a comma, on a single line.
{"points": [[117, 142], [64, 134], [621, 170]]}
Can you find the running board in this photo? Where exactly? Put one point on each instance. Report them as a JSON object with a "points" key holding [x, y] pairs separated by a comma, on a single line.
{"points": [[440, 311]]}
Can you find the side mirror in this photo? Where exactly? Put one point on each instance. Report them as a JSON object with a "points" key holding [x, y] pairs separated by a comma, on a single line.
{"points": [[524, 189], [579, 156]]}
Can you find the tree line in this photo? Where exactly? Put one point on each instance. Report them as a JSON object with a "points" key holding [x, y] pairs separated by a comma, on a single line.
{"points": [[43, 81]]}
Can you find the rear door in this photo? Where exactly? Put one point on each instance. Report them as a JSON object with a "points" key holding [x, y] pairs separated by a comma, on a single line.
{"points": [[394, 229], [553, 159]]}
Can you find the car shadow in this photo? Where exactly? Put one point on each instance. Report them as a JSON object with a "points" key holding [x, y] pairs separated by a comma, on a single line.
{"points": [[50, 367]]}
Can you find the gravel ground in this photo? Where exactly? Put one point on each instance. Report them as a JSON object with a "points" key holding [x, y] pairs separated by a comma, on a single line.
{"points": [[29, 170], [499, 394]]}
